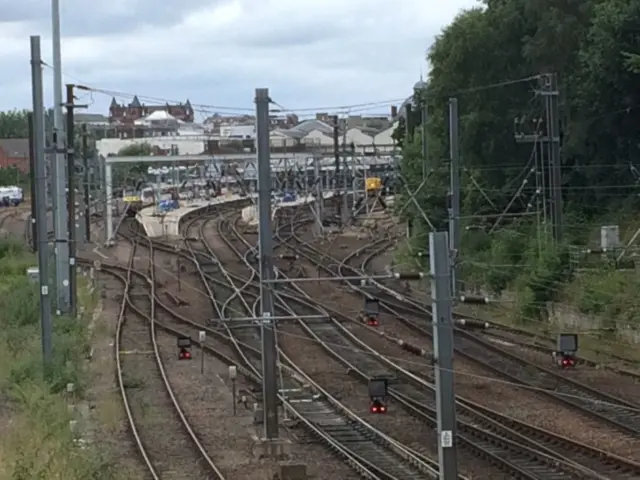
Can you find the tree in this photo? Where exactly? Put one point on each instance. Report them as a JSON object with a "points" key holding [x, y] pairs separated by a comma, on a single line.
{"points": [[136, 150], [14, 124], [594, 48], [12, 176]]}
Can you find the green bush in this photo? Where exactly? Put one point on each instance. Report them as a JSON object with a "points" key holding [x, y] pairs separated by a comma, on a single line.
{"points": [[545, 271], [610, 294], [38, 443]]}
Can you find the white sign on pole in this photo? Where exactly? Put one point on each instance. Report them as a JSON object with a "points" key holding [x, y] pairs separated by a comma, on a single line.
{"points": [[202, 336], [446, 439]]}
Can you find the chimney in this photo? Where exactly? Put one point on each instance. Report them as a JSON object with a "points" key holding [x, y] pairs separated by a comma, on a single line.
{"points": [[394, 112]]}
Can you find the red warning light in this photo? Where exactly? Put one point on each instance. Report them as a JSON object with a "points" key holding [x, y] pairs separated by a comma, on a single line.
{"points": [[377, 407], [184, 355], [568, 362], [372, 322]]}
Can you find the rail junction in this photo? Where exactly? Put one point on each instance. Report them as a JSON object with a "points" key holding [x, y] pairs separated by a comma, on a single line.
{"points": [[277, 347], [217, 249]]}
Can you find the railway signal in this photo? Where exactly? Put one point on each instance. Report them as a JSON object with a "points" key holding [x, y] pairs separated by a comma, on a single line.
{"points": [[378, 394], [184, 346], [565, 356], [372, 311]]}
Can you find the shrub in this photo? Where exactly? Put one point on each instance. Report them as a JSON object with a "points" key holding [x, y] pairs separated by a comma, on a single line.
{"points": [[38, 443]]}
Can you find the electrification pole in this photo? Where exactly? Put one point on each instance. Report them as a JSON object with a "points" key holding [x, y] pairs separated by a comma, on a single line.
{"points": [[336, 153], [87, 196], [265, 231], [552, 94], [32, 183], [454, 209], [60, 221], [424, 114], [71, 201], [41, 207], [443, 353]]}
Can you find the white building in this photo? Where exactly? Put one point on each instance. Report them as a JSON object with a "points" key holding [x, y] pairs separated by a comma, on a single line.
{"points": [[159, 118], [184, 144], [237, 132], [383, 140], [282, 138]]}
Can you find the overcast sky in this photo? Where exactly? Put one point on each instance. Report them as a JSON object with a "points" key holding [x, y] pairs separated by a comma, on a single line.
{"points": [[309, 53]]}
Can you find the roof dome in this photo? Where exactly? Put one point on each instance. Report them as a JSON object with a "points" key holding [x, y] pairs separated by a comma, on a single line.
{"points": [[420, 84]]}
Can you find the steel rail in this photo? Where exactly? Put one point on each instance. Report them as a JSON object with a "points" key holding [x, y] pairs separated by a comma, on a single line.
{"points": [[537, 342], [150, 317], [321, 414], [602, 406], [551, 472], [588, 454]]}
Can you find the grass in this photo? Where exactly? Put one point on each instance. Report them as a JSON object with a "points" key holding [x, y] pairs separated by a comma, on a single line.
{"points": [[597, 345], [37, 442]]}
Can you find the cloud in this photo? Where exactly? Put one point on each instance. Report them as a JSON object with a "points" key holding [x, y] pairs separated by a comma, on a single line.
{"points": [[215, 52]]}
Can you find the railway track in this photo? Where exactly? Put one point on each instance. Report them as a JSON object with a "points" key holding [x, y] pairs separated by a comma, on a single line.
{"points": [[371, 453], [623, 415], [518, 459], [167, 443], [523, 462], [545, 443], [538, 342]]}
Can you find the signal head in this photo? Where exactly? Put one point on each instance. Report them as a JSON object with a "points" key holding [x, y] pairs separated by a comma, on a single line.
{"points": [[378, 407], [568, 362]]}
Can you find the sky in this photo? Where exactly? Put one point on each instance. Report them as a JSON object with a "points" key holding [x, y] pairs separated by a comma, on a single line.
{"points": [[312, 55]]}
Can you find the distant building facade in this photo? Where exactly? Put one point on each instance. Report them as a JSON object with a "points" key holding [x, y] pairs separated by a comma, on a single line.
{"points": [[127, 114], [14, 152]]}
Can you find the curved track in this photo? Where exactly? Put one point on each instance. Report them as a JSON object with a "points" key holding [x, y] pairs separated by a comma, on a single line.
{"points": [[371, 453], [622, 414], [520, 460], [167, 444], [546, 443], [524, 451]]}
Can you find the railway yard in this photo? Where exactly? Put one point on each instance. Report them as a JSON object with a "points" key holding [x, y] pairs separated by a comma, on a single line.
{"points": [[518, 416]]}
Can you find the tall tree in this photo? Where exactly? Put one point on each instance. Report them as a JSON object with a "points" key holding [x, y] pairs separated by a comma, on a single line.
{"points": [[594, 48], [13, 124]]}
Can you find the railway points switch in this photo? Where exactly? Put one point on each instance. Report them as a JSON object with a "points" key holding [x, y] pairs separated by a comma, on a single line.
{"points": [[184, 348], [567, 346]]}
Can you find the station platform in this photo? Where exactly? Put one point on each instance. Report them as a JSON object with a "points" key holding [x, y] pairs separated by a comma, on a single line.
{"points": [[158, 224], [168, 224]]}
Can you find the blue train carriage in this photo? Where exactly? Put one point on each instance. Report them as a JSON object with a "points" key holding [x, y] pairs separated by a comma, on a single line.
{"points": [[11, 196]]}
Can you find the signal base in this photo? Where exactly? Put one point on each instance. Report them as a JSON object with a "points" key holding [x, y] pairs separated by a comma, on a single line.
{"points": [[279, 448]]}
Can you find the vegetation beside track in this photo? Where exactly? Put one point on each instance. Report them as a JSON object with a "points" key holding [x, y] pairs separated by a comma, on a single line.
{"points": [[489, 70], [37, 441]]}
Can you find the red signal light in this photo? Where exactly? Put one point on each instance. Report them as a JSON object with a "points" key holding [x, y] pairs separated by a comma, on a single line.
{"points": [[184, 355], [373, 322], [568, 362], [378, 408]]}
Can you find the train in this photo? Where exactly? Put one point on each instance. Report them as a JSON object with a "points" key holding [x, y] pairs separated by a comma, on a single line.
{"points": [[373, 184], [11, 196], [134, 200]]}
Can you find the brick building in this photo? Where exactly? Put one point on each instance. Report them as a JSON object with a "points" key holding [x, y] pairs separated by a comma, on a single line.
{"points": [[128, 114], [15, 152]]}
